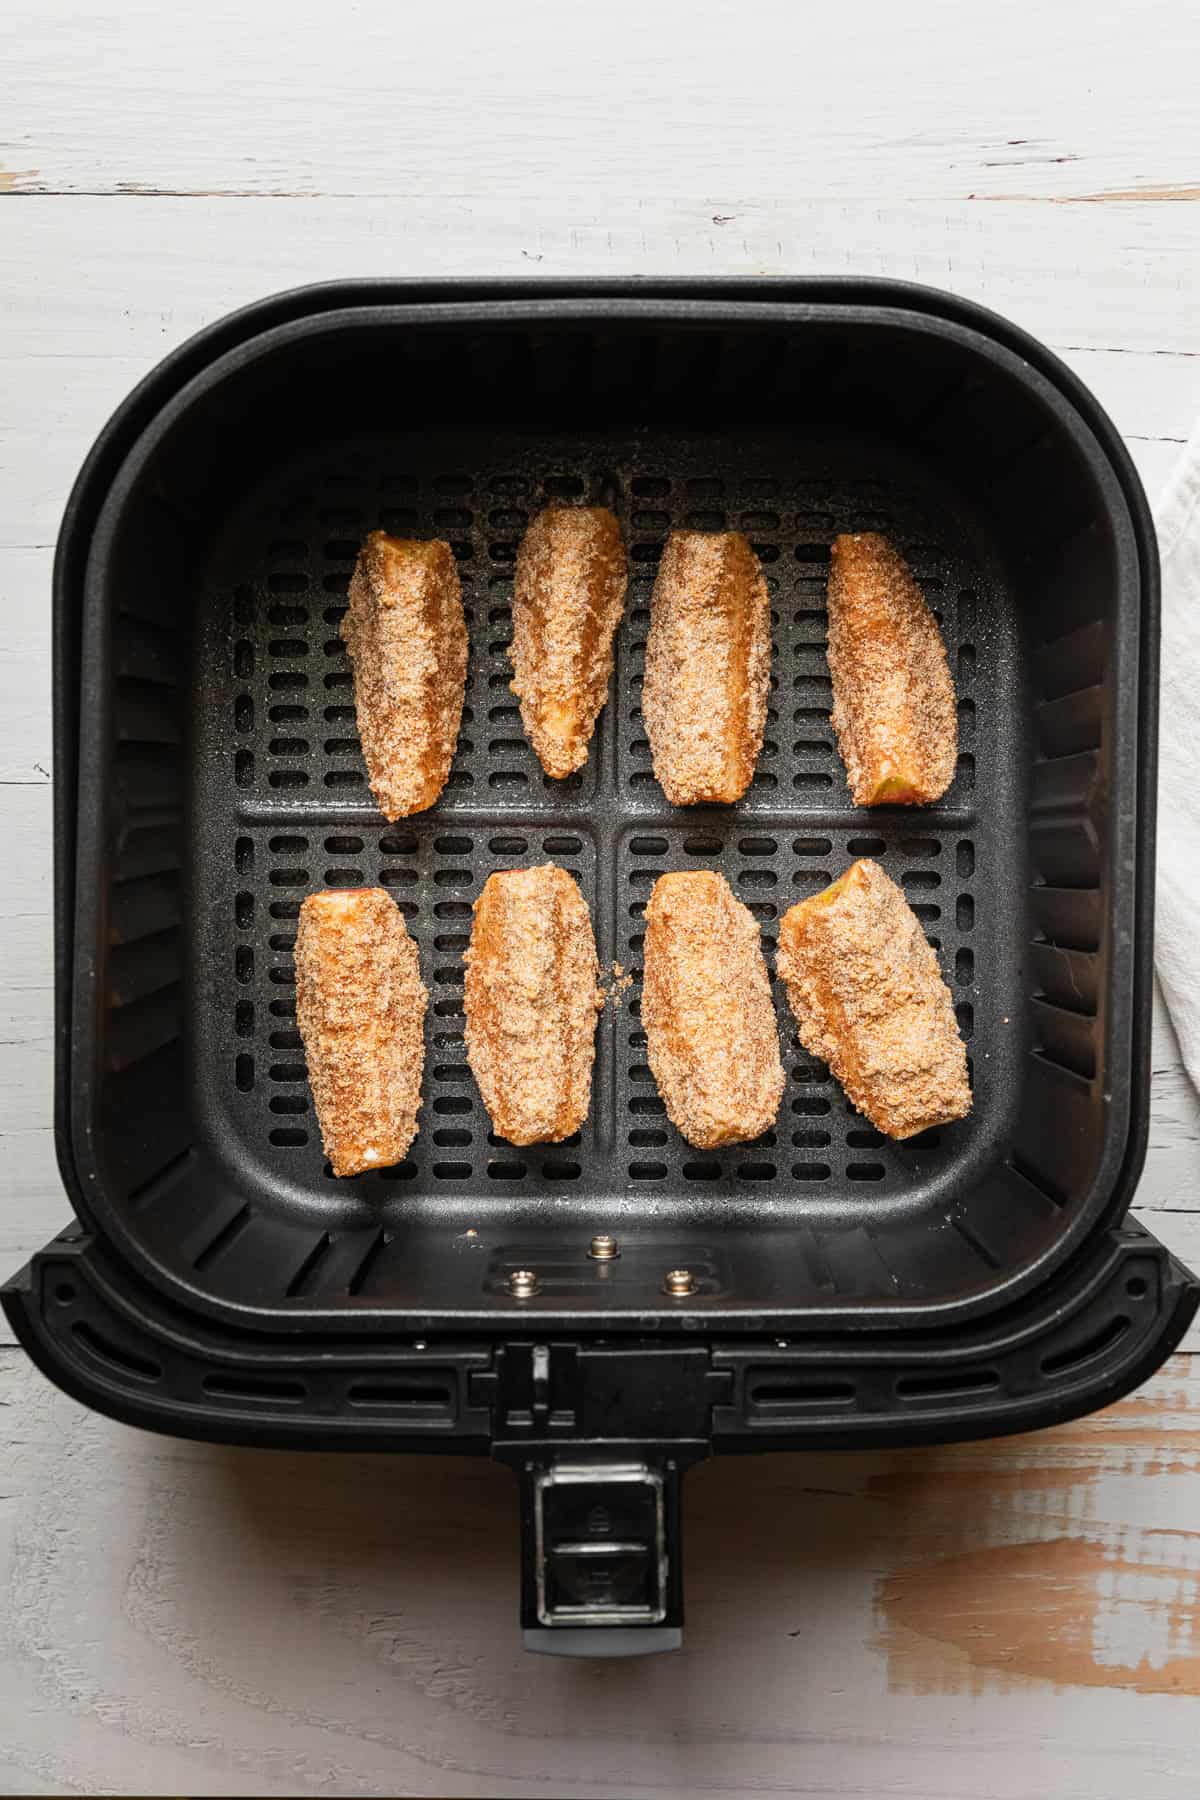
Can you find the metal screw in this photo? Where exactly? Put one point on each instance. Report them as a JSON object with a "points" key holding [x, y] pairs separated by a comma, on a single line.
{"points": [[679, 1281], [522, 1283], [603, 1247]]}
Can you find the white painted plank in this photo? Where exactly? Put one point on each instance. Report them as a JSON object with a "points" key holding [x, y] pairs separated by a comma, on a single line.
{"points": [[983, 1622], [1168, 1197], [1172, 1178], [1151, 397], [25, 735], [52, 412], [89, 277], [760, 99], [32, 1204], [1180, 1232], [1154, 460]]}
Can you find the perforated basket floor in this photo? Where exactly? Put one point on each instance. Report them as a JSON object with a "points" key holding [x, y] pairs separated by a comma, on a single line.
{"points": [[283, 807]]}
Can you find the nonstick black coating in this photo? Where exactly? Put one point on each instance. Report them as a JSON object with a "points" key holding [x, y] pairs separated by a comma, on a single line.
{"points": [[292, 805]]}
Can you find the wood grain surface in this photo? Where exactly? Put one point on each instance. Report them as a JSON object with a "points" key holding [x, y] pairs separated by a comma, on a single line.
{"points": [[1009, 1620], [992, 1621]]}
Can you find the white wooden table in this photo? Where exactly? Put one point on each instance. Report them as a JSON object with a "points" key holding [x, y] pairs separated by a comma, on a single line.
{"points": [[1001, 1621]]}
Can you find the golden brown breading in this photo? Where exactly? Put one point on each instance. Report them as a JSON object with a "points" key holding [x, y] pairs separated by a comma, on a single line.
{"points": [[708, 667], [869, 999], [568, 597], [532, 996], [893, 697], [407, 639], [711, 1037], [360, 1007]]}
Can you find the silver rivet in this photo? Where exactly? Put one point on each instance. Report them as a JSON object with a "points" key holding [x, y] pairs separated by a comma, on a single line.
{"points": [[678, 1281], [603, 1247], [522, 1283]]}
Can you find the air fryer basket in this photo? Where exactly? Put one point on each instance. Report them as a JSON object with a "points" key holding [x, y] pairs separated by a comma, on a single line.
{"points": [[220, 778]]}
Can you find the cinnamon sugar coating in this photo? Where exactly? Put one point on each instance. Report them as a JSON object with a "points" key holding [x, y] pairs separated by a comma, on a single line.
{"points": [[532, 995], [711, 1038], [708, 667], [360, 1009], [568, 596], [407, 638], [869, 999], [893, 698]]}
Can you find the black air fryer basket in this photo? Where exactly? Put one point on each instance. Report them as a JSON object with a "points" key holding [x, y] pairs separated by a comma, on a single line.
{"points": [[841, 1290]]}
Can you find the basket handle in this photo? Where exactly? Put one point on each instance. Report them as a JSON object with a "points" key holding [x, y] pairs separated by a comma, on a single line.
{"points": [[600, 1556]]}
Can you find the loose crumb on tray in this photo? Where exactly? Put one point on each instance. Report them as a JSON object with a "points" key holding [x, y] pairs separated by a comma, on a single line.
{"points": [[614, 984]]}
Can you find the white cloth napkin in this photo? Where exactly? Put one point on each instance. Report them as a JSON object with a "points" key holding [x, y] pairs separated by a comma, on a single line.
{"points": [[1177, 939]]}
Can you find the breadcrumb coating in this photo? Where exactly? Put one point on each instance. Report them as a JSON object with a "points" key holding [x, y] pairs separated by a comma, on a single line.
{"points": [[869, 999], [568, 596], [532, 995], [360, 1009], [893, 697], [708, 667], [407, 638], [711, 1037]]}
